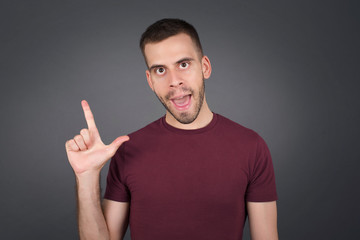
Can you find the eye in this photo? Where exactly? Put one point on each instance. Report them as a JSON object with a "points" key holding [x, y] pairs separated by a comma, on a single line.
{"points": [[184, 65], [160, 71]]}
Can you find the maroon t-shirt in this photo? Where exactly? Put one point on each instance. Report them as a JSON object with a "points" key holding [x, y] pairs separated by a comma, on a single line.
{"points": [[191, 184]]}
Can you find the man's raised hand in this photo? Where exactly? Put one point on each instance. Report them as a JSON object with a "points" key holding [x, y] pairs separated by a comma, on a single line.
{"points": [[86, 152]]}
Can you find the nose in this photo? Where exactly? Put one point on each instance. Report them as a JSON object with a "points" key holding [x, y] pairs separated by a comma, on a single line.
{"points": [[175, 80]]}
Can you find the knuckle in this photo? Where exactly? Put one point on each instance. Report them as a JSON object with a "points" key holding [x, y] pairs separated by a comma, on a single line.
{"points": [[83, 131], [69, 144], [77, 138]]}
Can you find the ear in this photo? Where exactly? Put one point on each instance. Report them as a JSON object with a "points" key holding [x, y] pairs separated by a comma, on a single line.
{"points": [[148, 77], [206, 67]]}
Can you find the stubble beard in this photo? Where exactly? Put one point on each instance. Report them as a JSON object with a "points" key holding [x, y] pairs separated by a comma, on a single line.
{"points": [[185, 117]]}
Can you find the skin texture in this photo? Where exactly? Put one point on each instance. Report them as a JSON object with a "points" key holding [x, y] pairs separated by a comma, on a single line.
{"points": [[262, 220], [175, 71], [87, 154]]}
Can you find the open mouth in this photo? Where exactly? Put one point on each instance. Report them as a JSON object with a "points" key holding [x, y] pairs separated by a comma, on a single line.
{"points": [[182, 102]]}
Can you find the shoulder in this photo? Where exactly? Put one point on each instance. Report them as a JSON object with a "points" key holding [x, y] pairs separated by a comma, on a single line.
{"points": [[143, 138], [237, 129], [150, 129]]}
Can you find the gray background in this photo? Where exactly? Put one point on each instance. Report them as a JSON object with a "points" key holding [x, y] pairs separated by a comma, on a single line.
{"points": [[287, 69]]}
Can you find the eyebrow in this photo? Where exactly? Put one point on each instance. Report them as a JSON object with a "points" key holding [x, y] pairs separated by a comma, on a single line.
{"points": [[186, 59], [155, 66]]}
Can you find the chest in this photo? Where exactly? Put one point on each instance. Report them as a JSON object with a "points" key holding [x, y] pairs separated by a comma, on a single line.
{"points": [[188, 174]]}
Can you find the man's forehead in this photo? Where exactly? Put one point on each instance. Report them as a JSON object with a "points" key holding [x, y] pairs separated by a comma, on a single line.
{"points": [[170, 50]]}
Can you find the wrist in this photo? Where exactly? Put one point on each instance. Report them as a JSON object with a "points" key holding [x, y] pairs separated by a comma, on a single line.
{"points": [[88, 179]]}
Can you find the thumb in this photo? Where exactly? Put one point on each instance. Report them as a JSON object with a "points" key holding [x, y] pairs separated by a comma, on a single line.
{"points": [[112, 147]]}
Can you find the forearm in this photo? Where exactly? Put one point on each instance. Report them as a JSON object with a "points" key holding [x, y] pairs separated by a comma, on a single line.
{"points": [[92, 224], [87, 154]]}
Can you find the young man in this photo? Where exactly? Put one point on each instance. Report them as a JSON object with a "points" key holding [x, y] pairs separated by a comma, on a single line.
{"points": [[192, 174]]}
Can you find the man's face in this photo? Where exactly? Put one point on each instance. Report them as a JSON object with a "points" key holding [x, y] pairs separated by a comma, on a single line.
{"points": [[176, 74]]}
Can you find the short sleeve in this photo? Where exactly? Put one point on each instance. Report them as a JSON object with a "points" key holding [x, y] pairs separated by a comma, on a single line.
{"points": [[116, 188], [261, 186]]}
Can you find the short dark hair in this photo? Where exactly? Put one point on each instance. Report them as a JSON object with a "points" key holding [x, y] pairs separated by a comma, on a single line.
{"points": [[168, 27]]}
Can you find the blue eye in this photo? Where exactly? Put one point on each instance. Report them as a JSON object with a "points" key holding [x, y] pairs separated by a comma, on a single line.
{"points": [[184, 65]]}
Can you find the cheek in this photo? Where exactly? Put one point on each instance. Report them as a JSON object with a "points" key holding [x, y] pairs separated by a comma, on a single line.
{"points": [[189, 74], [196, 79], [159, 88]]}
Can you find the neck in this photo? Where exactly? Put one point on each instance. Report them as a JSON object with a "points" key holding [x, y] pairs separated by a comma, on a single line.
{"points": [[204, 118]]}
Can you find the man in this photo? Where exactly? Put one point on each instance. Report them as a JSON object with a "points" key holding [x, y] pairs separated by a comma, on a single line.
{"points": [[192, 174]]}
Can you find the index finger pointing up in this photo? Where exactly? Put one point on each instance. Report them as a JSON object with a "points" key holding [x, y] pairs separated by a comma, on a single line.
{"points": [[89, 117]]}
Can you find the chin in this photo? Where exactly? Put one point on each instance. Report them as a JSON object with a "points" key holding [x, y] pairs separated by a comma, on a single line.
{"points": [[185, 117]]}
